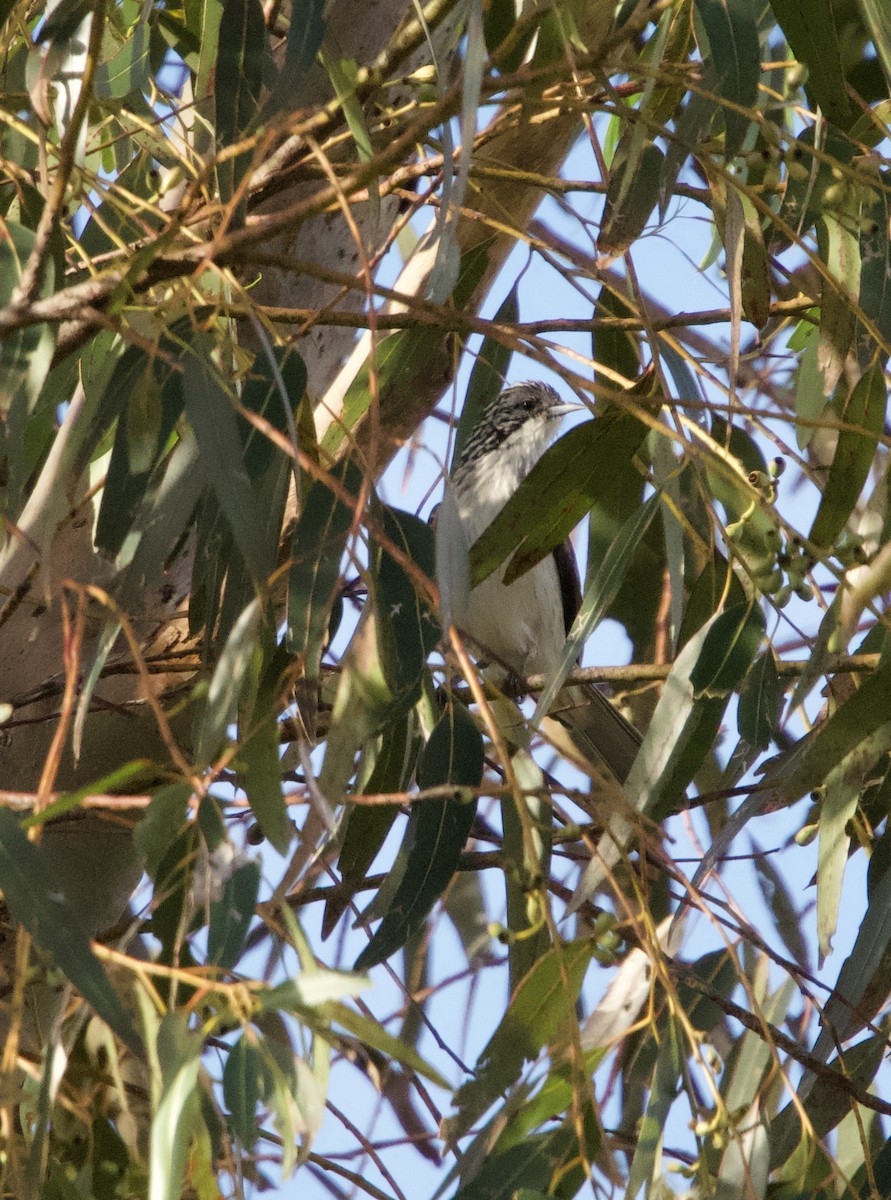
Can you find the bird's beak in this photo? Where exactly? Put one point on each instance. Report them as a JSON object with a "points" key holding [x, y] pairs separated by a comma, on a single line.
{"points": [[563, 410]]}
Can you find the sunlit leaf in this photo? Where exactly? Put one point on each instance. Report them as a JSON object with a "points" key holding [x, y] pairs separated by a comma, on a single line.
{"points": [[838, 241], [176, 1106]]}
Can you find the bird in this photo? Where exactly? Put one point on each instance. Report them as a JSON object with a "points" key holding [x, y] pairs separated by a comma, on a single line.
{"points": [[521, 628]]}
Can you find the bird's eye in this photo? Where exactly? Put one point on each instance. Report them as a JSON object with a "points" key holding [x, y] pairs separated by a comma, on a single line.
{"points": [[528, 405]]}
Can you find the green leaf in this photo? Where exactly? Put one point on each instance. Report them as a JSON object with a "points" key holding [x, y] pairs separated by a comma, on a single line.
{"points": [[875, 273], [241, 50], [841, 792], [863, 418], [727, 653], [209, 408], [161, 824], [814, 38], [538, 1008], [438, 831], [305, 36], [227, 681], [362, 704], [176, 1106], [150, 389], [500, 18], [25, 354], [718, 970], [315, 989], [755, 280], [846, 730], [826, 1104], [246, 1080], [231, 915], [566, 483], [407, 626], [759, 702], [526, 862], [734, 56], [128, 72], [616, 349], [273, 390], [716, 584], [35, 901], [810, 400], [343, 73], [373, 1035], [487, 377], [839, 245], [664, 1090], [875, 17], [864, 973], [114, 781], [368, 825], [632, 192], [319, 542], [528, 1170], [260, 773], [776, 891]]}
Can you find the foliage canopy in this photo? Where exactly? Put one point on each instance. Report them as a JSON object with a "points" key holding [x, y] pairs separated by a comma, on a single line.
{"points": [[246, 252]]}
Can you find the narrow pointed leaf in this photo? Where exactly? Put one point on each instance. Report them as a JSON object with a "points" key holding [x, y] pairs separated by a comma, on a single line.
{"points": [[735, 56], [728, 651], [813, 35], [319, 542], [50, 918], [863, 420], [599, 595], [212, 416], [539, 1006], [438, 833]]}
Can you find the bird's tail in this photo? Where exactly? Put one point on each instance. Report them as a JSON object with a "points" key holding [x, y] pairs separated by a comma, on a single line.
{"points": [[597, 728]]}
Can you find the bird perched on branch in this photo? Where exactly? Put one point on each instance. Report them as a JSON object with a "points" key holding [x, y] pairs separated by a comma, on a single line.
{"points": [[523, 626]]}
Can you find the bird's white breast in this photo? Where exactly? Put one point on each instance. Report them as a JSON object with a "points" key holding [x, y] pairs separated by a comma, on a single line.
{"points": [[521, 626]]}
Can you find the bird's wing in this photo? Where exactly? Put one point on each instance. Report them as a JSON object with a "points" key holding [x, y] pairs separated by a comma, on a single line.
{"points": [[595, 724], [570, 584]]}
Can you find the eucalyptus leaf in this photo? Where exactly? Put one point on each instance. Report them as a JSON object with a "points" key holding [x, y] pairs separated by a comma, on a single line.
{"points": [[734, 56], [438, 832], [34, 900], [863, 419]]}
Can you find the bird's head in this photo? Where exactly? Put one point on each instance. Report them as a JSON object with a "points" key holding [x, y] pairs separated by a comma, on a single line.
{"points": [[518, 424]]}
